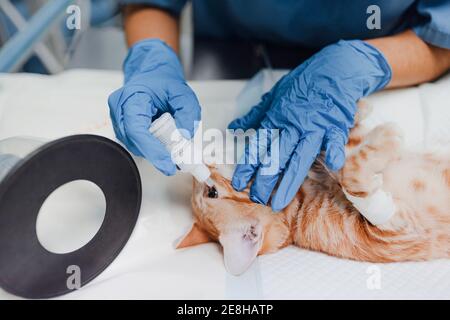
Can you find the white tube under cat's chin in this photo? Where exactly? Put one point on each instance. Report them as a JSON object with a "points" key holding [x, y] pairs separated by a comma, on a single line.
{"points": [[239, 251]]}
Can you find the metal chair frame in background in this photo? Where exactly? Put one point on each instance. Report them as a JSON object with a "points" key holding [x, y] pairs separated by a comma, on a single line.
{"points": [[26, 41]]}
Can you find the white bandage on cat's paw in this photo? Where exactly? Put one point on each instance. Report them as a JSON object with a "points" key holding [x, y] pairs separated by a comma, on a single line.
{"points": [[378, 208]]}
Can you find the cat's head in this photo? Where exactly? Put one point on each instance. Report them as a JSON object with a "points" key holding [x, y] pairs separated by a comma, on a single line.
{"points": [[243, 228]]}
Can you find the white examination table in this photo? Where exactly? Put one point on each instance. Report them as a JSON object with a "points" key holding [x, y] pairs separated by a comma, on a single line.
{"points": [[149, 268]]}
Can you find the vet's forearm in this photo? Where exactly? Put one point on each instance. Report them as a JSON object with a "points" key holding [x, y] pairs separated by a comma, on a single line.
{"points": [[141, 22], [412, 60]]}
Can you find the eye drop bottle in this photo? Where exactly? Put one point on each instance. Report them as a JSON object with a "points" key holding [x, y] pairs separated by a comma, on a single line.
{"points": [[166, 131]]}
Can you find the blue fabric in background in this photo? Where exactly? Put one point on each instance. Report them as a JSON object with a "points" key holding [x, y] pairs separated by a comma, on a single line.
{"points": [[313, 23]]}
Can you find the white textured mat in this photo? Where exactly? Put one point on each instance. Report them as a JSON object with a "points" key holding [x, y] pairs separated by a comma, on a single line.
{"points": [[149, 267], [294, 273]]}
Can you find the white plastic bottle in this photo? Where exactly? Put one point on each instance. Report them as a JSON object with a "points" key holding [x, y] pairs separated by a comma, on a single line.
{"points": [[166, 131]]}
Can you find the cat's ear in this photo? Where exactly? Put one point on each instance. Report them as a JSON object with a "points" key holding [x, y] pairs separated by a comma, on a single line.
{"points": [[240, 248], [193, 237]]}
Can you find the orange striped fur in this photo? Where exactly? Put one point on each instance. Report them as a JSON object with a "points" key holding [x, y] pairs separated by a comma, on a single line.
{"points": [[320, 217]]}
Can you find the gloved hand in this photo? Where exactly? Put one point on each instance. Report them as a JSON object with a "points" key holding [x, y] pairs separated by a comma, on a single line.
{"points": [[154, 84], [313, 107]]}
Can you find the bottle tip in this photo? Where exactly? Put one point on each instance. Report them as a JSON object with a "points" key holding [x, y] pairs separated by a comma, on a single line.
{"points": [[209, 182]]}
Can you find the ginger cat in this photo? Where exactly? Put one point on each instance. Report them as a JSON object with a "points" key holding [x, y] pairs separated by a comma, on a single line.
{"points": [[321, 218]]}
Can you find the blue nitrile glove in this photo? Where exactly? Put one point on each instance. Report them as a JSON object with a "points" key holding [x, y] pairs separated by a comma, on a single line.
{"points": [[154, 84], [313, 107]]}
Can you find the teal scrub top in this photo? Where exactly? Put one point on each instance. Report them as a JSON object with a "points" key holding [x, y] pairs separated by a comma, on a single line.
{"points": [[315, 23]]}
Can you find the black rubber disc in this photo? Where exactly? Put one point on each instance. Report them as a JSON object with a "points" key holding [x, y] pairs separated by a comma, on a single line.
{"points": [[27, 269]]}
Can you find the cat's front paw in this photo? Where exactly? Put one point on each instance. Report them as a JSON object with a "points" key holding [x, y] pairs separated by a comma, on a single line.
{"points": [[363, 111], [387, 138], [376, 205], [363, 185]]}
